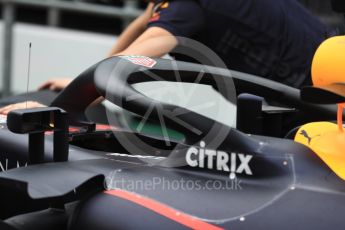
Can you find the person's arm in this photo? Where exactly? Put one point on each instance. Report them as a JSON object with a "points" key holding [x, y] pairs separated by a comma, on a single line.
{"points": [[132, 32], [55, 84], [21, 105], [154, 42]]}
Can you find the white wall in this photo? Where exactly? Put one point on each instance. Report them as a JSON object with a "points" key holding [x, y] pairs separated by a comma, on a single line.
{"points": [[55, 53]]}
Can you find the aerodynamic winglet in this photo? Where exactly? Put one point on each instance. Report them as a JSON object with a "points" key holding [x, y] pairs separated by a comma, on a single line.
{"points": [[52, 181], [328, 94]]}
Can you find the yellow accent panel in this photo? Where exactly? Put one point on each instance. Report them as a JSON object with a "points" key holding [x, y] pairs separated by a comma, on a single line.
{"points": [[328, 63], [325, 139]]}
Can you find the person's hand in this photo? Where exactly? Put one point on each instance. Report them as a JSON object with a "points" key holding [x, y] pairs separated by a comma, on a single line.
{"points": [[55, 84], [22, 105]]}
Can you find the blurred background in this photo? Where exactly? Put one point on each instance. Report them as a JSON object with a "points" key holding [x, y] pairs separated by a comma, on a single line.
{"points": [[68, 36]]}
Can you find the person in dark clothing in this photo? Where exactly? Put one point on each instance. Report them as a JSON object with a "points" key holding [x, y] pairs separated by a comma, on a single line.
{"points": [[275, 39]]}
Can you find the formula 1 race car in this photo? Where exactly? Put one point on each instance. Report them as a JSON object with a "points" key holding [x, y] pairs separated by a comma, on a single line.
{"points": [[63, 171]]}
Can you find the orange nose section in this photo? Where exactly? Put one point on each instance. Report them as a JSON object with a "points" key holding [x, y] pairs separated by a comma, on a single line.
{"points": [[329, 62]]}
